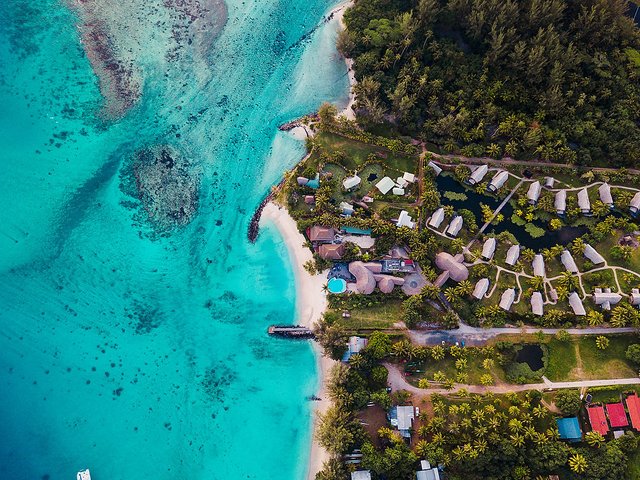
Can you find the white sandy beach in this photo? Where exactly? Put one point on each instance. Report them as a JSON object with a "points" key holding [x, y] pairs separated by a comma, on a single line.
{"points": [[311, 302], [348, 110]]}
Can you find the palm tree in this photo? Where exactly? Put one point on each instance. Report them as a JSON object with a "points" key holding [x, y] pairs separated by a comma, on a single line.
{"points": [[568, 281], [595, 318], [357, 361], [451, 295], [437, 352], [602, 342], [527, 255], [577, 246], [464, 288], [494, 150], [517, 440], [537, 283], [578, 463], [431, 291], [540, 411], [594, 439]]}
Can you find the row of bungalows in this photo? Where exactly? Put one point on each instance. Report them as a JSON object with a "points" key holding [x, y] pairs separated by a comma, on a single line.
{"points": [[584, 203], [614, 416], [454, 227], [496, 183], [397, 187]]}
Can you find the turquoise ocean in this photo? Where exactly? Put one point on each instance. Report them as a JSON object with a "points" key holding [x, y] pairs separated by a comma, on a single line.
{"points": [[139, 355]]}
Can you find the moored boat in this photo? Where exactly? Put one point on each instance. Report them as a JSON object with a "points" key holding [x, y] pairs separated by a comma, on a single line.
{"points": [[84, 475]]}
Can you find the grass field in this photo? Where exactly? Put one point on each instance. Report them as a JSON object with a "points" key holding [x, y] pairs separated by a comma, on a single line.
{"points": [[375, 317]]}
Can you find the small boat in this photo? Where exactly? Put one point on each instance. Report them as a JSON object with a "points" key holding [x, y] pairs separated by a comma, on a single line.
{"points": [[84, 475]]}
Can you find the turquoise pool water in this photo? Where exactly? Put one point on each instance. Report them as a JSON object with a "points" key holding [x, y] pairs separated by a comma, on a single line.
{"points": [[337, 285], [134, 354]]}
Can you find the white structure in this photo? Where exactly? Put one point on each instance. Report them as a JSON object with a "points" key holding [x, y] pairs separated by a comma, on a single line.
{"points": [[568, 262], [533, 194], [398, 191], [538, 266], [437, 218], [478, 174], [549, 182], [489, 248], [403, 420], [385, 185], [576, 304], [84, 475], [537, 304], [401, 182], [605, 298], [561, 202], [455, 226], [351, 182], [605, 195], [435, 168], [426, 472], [409, 177], [404, 220], [361, 475], [498, 181], [583, 202], [512, 255], [508, 296], [634, 205], [634, 298], [481, 288], [346, 209], [591, 255]]}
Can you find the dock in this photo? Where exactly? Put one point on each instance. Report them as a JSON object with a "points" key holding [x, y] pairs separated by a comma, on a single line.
{"points": [[290, 331]]}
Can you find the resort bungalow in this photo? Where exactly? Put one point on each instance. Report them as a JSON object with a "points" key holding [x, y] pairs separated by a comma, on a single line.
{"points": [[385, 185], [634, 205], [537, 304], [561, 202], [591, 255], [605, 298], [355, 345], [478, 174], [361, 475], [398, 191], [408, 177], [436, 219], [481, 288], [508, 296], [533, 194], [489, 248], [455, 226], [569, 429], [498, 181], [346, 209], [452, 266], [331, 251], [426, 472], [583, 202], [365, 281], [549, 182], [568, 262], [402, 417], [617, 415], [538, 266], [576, 305], [634, 298], [435, 168], [512, 255], [605, 195], [319, 234], [633, 405], [404, 220], [350, 183], [598, 419]]}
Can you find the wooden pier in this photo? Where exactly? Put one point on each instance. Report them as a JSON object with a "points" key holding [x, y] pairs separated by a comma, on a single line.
{"points": [[290, 331]]}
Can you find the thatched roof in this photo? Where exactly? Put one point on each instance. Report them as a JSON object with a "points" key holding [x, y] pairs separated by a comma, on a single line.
{"points": [[457, 271], [512, 255], [592, 255], [489, 248], [481, 288], [386, 285], [537, 304], [413, 284], [508, 296], [365, 282], [331, 251], [437, 218], [498, 181], [319, 233], [583, 201], [605, 194], [576, 304], [568, 262], [533, 194], [561, 202], [538, 265], [478, 174]]}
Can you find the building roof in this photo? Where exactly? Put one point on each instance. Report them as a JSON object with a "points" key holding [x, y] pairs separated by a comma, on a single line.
{"points": [[598, 420], [569, 428], [489, 248], [549, 181], [437, 218], [404, 416], [591, 254], [430, 474], [537, 304], [413, 284], [309, 199], [331, 251], [365, 283], [481, 288], [635, 202], [583, 200], [568, 262], [351, 182], [576, 304], [435, 168], [397, 191], [498, 180], [512, 255], [561, 201], [533, 194], [404, 220], [455, 226], [478, 174], [319, 233], [538, 266], [385, 185], [401, 182], [606, 298], [448, 263], [347, 208], [508, 296], [617, 415], [605, 194], [633, 405], [361, 475], [355, 345], [409, 177], [634, 297], [386, 284]]}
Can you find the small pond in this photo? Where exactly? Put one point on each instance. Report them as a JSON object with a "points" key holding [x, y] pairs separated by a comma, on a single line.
{"points": [[531, 354]]}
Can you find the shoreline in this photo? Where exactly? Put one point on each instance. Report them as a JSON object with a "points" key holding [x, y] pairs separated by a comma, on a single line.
{"points": [[311, 302], [347, 112]]}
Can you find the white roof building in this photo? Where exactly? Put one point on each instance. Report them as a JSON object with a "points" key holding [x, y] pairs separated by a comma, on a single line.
{"points": [[549, 182], [634, 205], [576, 304], [489, 248], [435, 168], [508, 296], [605, 298], [401, 182], [426, 472], [605, 194], [583, 201], [533, 194], [561, 202], [385, 185], [404, 220], [351, 182], [591, 255], [398, 191], [402, 418], [437, 218], [455, 226], [409, 177], [568, 262], [481, 288], [537, 304], [346, 208], [634, 298], [498, 181], [355, 345], [538, 266], [361, 475], [512, 255], [478, 174]]}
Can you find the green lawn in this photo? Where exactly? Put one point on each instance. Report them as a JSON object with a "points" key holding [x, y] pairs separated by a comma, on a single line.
{"points": [[562, 360], [447, 365], [375, 317]]}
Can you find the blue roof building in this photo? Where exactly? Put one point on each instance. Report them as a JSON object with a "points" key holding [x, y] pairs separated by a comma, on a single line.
{"points": [[569, 429]]}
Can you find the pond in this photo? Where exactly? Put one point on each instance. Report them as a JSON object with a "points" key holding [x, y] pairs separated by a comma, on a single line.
{"points": [[531, 354], [563, 236]]}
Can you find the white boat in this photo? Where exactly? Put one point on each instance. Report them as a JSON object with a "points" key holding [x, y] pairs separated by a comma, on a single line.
{"points": [[84, 475]]}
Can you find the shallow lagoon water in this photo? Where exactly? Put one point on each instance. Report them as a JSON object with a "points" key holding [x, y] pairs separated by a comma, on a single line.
{"points": [[129, 353]]}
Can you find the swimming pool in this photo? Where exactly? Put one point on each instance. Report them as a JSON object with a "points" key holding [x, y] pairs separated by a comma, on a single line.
{"points": [[337, 285]]}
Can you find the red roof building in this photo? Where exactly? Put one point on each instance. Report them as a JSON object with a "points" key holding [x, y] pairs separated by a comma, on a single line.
{"points": [[617, 415], [598, 420], [633, 405]]}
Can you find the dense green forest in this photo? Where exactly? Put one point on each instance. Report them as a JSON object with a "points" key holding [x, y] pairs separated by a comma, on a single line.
{"points": [[557, 80]]}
